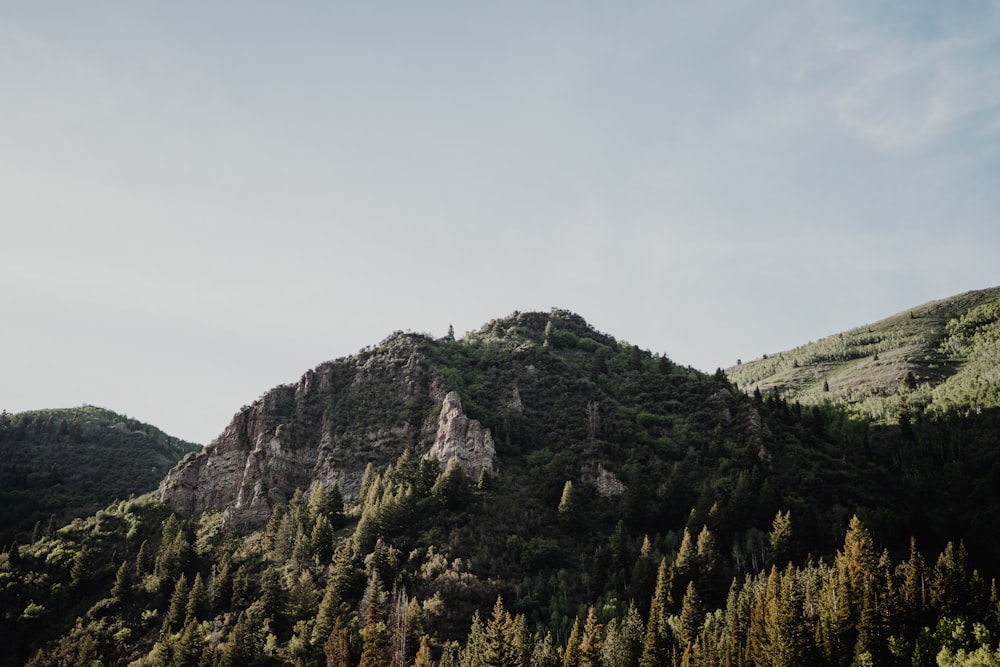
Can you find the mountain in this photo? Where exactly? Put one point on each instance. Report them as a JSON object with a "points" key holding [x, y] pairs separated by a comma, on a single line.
{"points": [[535, 493], [933, 359], [62, 464]]}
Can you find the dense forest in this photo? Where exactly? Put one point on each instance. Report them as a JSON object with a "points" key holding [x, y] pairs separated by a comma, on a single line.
{"points": [[733, 526], [55, 465]]}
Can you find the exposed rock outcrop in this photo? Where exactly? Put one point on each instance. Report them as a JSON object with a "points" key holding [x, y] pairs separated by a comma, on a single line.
{"points": [[326, 428], [462, 439]]}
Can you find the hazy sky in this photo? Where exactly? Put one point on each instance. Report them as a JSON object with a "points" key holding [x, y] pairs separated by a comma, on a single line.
{"points": [[201, 200]]}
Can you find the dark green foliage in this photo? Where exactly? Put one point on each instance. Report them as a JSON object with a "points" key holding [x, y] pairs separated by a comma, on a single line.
{"points": [[54, 465]]}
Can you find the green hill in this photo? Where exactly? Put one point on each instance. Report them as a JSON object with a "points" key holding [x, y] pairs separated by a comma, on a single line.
{"points": [[933, 359], [70, 463], [621, 509]]}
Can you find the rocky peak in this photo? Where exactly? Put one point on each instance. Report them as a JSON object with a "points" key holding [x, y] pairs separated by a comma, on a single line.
{"points": [[462, 439]]}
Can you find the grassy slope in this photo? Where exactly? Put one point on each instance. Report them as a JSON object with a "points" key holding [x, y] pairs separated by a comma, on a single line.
{"points": [[951, 347]]}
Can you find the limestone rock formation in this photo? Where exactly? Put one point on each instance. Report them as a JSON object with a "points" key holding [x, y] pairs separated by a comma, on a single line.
{"points": [[462, 439]]}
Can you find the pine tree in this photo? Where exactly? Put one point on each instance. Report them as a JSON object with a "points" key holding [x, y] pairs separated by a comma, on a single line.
{"points": [[691, 616], [83, 569], [590, 646], [328, 613], [780, 538], [571, 655], [656, 644], [336, 648], [497, 635], [371, 648], [423, 657], [222, 585], [545, 653], [321, 539], [197, 603], [174, 618], [303, 597], [567, 501], [124, 581]]}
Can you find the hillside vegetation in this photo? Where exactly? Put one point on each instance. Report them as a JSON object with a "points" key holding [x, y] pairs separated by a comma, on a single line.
{"points": [[641, 513], [59, 464], [932, 360]]}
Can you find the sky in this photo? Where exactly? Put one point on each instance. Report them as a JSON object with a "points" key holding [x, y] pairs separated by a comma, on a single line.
{"points": [[202, 200]]}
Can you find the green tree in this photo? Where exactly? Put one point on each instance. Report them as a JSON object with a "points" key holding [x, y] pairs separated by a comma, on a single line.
{"points": [[567, 501], [198, 601], [780, 538], [374, 629], [174, 618], [124, 581], [656, 645]]}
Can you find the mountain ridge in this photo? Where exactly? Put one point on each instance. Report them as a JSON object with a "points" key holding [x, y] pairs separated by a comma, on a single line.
{"points": [[670, 515]]}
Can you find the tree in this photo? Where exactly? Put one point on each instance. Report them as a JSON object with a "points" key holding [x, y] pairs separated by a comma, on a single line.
{"points": [[423, 657], [691, 616], [590, 646], [197, 602], [656, 645], [83, 568], [372, 634], [498, 636], [780, 538], [571, 656], [567, 500], [336, 648], [174, 618], [124, 581]]}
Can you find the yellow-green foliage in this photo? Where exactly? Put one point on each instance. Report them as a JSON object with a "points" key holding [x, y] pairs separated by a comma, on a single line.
{"points": [[951, 349]]}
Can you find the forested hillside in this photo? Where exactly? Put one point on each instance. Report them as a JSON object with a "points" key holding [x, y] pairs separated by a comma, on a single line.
{"points": [[637, 512], [932, 360], [60, 464]]}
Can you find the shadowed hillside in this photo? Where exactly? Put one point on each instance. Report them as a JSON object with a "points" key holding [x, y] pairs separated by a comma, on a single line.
{"points": [[60, 464]]}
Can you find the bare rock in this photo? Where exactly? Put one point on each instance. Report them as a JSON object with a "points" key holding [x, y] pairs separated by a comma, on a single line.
{"points": [[462, 439]]}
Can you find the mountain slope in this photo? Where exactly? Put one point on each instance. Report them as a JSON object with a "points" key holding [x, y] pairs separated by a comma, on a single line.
{"points": [[70, 463], [553, 474], [934, 358]]}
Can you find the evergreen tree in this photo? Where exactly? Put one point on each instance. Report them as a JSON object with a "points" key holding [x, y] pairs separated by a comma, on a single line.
{"points": [[328, 613], [197, 603], [590, 646], [545, 653], [656, 644], [222, 585], [571, 655], [423, 657], [336, 648], [372, 634], [124, 581], [174, 618], [498, 636], [567, 500], [691, 616], [780, 538]]}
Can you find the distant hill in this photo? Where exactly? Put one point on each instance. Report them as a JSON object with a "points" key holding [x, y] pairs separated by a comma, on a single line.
{"points": [[72, 462], [930, 360]]}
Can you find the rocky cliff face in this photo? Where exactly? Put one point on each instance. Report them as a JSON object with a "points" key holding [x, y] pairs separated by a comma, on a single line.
{"points": [[462, 439], [327, 428]]}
